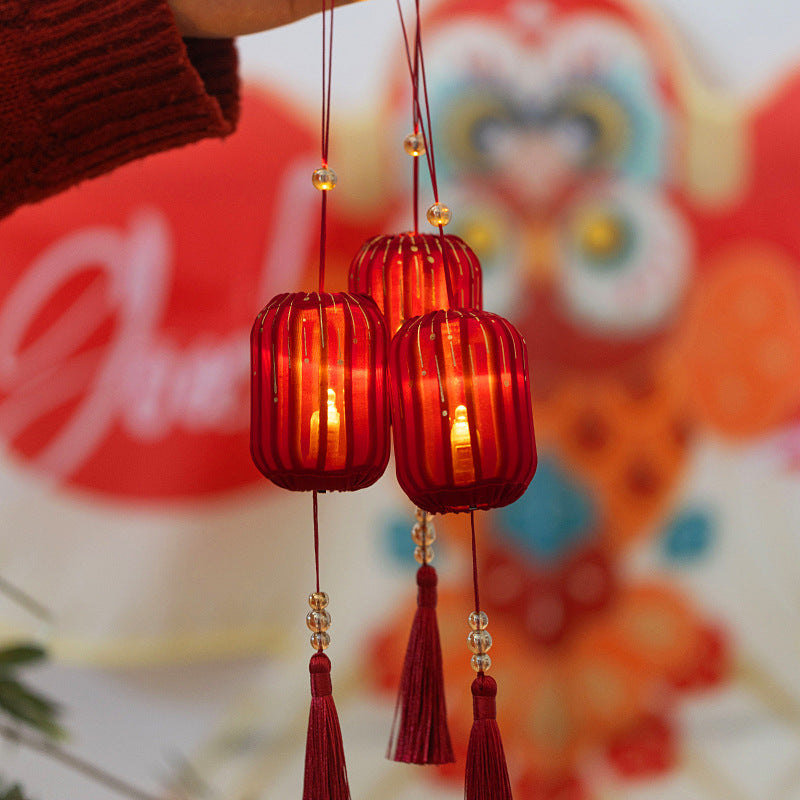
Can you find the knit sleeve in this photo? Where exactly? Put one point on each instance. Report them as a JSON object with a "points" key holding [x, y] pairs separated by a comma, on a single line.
{"points": [[88, 85]]}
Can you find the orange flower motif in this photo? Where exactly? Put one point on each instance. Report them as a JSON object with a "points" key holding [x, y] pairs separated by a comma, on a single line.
{"points": [[605, 691]]}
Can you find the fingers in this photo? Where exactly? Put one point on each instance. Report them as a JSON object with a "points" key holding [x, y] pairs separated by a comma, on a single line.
{"points": [[213, 19]]}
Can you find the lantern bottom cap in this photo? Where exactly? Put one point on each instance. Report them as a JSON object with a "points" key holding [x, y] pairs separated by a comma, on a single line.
{"points": [[472, 497]]}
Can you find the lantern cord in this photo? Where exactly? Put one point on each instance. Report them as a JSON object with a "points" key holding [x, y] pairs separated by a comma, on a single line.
{"points": [[316, 538], [327, 71], [416, 194], [474, 562], [416, 67], [432, 159], [416, 125], [416, 117], [323, 241]]}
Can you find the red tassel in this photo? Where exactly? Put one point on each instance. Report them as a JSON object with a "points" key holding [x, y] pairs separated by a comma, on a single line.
{"points": [[326, 772], [419, 733], [487, 774]]}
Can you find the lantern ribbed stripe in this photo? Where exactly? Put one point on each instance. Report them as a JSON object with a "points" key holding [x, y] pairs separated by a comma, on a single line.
{"points": [[319, 410], [404, 274], [461, 411]]}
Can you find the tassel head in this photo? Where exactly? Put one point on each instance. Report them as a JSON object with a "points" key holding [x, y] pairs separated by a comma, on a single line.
{"points": [[325, 772], [487, 773]]}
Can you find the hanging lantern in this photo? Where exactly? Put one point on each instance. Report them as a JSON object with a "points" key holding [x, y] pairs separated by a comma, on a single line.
{"points": [[405, 274], [461, 411], [320, 412]]}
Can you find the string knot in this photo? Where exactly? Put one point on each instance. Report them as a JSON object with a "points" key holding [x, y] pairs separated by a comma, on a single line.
{"points": [[320, 669], [426, 581], [484, 693]]}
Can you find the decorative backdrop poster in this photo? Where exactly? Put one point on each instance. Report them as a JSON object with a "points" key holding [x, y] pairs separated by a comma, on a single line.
{"points": [[641, 230]]}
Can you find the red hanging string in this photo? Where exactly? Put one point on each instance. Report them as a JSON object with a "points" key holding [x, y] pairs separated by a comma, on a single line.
{"points": [[416, 67], [327, 71], [316, 538], [416, 117], [474, 564], [416, 126]]}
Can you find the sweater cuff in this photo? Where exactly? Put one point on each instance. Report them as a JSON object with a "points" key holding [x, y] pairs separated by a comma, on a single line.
{"points": [[96, 84]]}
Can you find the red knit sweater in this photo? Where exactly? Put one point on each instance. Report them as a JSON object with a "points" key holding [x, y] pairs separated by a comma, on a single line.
{"points": [[87, 85]]}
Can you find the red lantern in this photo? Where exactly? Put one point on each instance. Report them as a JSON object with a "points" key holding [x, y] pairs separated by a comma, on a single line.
{"points": [[320, 412], [461, 411], [405, 275]]}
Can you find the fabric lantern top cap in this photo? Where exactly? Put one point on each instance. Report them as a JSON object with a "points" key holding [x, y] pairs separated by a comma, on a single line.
{"points": [[404, 274], [461, 411], [319, 405]]}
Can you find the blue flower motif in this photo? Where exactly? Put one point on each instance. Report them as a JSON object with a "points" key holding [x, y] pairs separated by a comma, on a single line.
{"points": [[554, 516], [397, 540], [689, 535]]}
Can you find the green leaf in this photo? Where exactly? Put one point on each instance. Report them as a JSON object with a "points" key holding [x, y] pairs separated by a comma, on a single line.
{"points": [[21, 654], [13, 793], [30, 708]]}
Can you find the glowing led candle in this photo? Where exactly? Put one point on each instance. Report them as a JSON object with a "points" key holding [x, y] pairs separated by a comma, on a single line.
{"points": [[461, 447], [332, 416]]}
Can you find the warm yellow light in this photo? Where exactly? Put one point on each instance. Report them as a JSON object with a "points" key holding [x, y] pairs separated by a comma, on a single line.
{"points": [[461, 447], [332, 414], [603, 235]]}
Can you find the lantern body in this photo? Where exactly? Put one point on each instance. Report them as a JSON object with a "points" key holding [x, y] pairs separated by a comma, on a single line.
{"points": [[461, 411], [405, 275], [319, 405]]}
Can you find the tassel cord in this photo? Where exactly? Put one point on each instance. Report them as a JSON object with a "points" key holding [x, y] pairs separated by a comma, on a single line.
{"points": [[474, 563]]}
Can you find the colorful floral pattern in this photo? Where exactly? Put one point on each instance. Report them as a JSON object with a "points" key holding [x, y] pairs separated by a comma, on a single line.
{"points": [[657, 321]]}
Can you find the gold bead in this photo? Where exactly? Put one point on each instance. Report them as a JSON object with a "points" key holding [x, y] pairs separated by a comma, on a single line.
{"points": [[478, 620], [423, 534], [318, 600], [414, 144], [320, 640], [324, 179], [422, 516], [320, 621], [438, 214], [481, 662], [479, 641], [424, 555]]}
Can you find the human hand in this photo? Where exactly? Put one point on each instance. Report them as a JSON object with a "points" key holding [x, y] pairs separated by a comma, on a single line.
{"points": [[223, 18]]}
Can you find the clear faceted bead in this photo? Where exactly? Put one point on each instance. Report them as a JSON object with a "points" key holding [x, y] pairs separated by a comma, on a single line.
{"points": [[324, 179], [479, 641], [414, 144], [438, 214], [319, 621], [320, 640], [481, 662], [424, 555], [318, 600], [421, 515], [423, 534], [478, 620]]}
